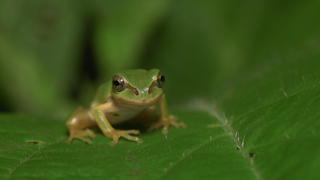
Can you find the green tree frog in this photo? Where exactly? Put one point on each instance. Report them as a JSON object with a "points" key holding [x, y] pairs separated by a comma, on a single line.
{"points": [[130, 94]]}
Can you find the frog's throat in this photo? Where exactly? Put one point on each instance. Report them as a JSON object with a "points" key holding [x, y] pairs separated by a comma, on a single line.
{"points": [[139, 102]]}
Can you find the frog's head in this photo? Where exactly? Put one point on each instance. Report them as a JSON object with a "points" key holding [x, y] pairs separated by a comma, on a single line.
{"points": [[138, 87]]}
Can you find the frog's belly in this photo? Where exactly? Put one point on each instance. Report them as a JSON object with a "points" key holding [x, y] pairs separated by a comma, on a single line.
{"points": [[117, 117]]}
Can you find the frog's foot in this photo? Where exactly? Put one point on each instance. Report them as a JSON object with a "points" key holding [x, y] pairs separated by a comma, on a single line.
{"points": [[165, 122], [116, 134], [79, 134]]}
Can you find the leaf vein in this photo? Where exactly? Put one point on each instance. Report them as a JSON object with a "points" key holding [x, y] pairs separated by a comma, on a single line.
{"points": [[226, 125], [27, 159], [281, 140], [189, 154], [268, 104]]}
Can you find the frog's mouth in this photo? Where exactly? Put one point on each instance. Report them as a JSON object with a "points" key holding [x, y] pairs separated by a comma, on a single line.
{"points": [[140, 102]]}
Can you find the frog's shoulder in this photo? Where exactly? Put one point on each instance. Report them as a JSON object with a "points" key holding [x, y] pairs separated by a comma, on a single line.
{"points": [[101, 95]]}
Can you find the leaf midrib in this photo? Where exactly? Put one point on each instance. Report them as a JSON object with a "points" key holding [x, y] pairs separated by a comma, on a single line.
{"points": [[29, 158], [273, 102]]}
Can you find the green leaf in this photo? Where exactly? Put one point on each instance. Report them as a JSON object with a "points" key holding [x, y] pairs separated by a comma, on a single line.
{"points": [[265, 127]]}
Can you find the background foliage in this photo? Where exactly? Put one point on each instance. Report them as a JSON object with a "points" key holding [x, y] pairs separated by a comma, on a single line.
{"points": [[251, 68]]}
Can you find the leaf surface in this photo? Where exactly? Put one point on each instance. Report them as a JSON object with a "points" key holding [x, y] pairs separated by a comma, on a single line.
{"points": [[266, 127]]}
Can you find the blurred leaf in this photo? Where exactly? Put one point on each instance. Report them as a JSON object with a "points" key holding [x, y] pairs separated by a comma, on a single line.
{"points": [[39, 43], [121, 33]]}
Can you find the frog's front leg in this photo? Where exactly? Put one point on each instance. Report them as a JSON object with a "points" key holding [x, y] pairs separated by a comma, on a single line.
{"points": [[166, 120], [78, 121], [108, 130]]}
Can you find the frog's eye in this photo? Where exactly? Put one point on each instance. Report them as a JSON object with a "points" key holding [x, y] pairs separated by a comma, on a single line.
{"points": [[118, 83], [160, 80]]}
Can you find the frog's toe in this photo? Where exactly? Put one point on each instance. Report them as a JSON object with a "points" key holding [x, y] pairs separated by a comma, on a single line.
{"points": [[85, 140], [173, 117], [81, 135], [155, 126], [88, 132], [166, 123], [165, 130], [69, 140], [132, 131], [180, 124], [116, 134], [132, 138], [114, 141]]}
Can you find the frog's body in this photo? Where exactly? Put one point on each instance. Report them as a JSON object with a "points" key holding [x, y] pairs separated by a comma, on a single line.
{"points": [[131, 93]]}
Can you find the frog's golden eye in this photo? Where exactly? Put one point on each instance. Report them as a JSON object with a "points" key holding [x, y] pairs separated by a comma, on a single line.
{"points": [[160, 80], [118, 83]]}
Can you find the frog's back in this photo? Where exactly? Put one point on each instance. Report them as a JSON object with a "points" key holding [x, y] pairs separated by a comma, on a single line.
{"points": [[103, 92]]}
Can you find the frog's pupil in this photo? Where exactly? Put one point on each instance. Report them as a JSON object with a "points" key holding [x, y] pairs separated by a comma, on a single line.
{"points": [[162, 78], [116, 83]]}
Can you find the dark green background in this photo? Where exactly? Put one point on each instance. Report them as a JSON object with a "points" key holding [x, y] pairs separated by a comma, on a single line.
{"points": [[239, 73]]}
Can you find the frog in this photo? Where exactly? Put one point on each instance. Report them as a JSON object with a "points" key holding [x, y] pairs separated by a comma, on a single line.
{"points": [[130, 94]]}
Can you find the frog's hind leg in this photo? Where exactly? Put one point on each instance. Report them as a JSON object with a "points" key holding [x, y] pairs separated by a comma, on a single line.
{"points": [[78, 122]]}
